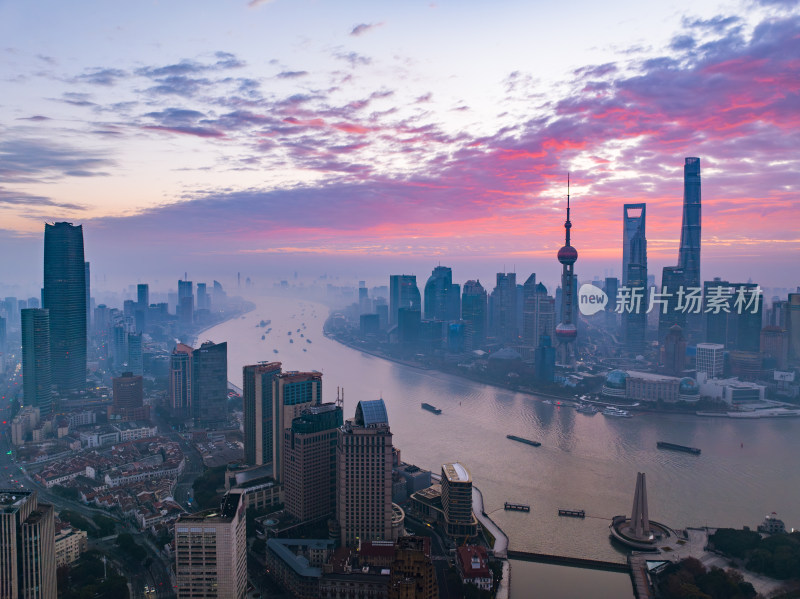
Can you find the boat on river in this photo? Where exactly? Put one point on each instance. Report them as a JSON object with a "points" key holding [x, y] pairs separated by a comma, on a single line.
{"points": [[616, 412], [524, 440], [430, 408], [676, 447]]}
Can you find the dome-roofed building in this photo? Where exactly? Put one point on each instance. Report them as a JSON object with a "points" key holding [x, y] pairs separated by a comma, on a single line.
{"points": [[688, 389], [615, 384]]}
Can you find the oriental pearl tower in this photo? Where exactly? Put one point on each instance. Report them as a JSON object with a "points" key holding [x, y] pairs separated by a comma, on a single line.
{"points": [[566, 331]]}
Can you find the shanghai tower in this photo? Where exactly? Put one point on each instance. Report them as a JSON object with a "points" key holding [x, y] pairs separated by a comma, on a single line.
{"points": [[689, 256], [64, 295]]}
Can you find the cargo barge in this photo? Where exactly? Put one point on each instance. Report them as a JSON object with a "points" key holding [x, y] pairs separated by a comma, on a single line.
{"points": [[676, 447], [522, 440]]}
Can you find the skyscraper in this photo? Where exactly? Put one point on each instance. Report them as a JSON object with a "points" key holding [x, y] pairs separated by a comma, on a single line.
{"points": [[364, 476], [185, 307], [474, 308], [142, 306], [689, 254], [633, 228], [128, 392], [37, 380], [309, 481], [180, 380], [403, 293], [672, 279], [293, 392], [442, 297], [258, 411], [210, 385], [634, 262], [64, 295], [135, 353], [87, 276], [211, 552], [567, 331], [27, 550], [503, 308]]}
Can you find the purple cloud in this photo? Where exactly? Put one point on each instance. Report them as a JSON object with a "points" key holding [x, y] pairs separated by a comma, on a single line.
{"points": [[363, 28]]}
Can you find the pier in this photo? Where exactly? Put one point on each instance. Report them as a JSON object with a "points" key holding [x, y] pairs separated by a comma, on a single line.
{"points": [[516, 507], [572, 513]]}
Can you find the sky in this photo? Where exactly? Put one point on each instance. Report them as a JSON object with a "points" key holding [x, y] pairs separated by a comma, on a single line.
{"points": [[363, 138]]}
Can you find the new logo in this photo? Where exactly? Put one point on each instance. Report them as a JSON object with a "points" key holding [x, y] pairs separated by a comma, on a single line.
{"points": [[591, 299]]}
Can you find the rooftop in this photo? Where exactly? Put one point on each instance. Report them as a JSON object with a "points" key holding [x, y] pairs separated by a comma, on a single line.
{"points": [[456, 473], [371, 413]]}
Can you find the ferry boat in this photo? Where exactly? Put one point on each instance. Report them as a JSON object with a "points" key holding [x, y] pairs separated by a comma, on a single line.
{"points": [[430, 408], [676, 447], [616, 412], [587, 409], [523, 440]]}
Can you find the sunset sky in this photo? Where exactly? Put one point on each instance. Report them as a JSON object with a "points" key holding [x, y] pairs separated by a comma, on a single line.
{"points": [[368, 137]]}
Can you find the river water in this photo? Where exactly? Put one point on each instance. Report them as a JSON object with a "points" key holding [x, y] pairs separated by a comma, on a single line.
{"points": [[747, 468]]}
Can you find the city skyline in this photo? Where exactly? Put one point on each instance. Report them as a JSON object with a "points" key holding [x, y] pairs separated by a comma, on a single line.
{"points": [[254, 133]]}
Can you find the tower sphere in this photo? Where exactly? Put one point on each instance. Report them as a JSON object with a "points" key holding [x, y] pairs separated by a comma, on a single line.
{"points": [[567, 255]]}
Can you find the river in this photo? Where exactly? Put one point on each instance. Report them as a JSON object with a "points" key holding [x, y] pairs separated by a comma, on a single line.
{"points": [[747, 468]]}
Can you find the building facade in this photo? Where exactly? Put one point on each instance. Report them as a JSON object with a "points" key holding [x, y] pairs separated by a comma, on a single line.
{"points": [[37, 380], [211, 552], [210, 385], [310, 462], [27, 550], [364, 475], [257, 400], [294, 392], [403, 293], [64, 295], [180, 380]]}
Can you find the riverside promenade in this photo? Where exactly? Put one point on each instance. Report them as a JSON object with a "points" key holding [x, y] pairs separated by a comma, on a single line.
{"points": [[500, 547]]}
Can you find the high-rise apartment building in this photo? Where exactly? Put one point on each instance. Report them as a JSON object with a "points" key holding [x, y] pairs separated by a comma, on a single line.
{"points": [[403, 293], [442, 297], [364, 476], [180, 380], [309, 473], [211, 552], [710, 359], [474, 312], [37, 380], [257, 404], [293, 392], [27, 546], [210, 385], [64, 295]]}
